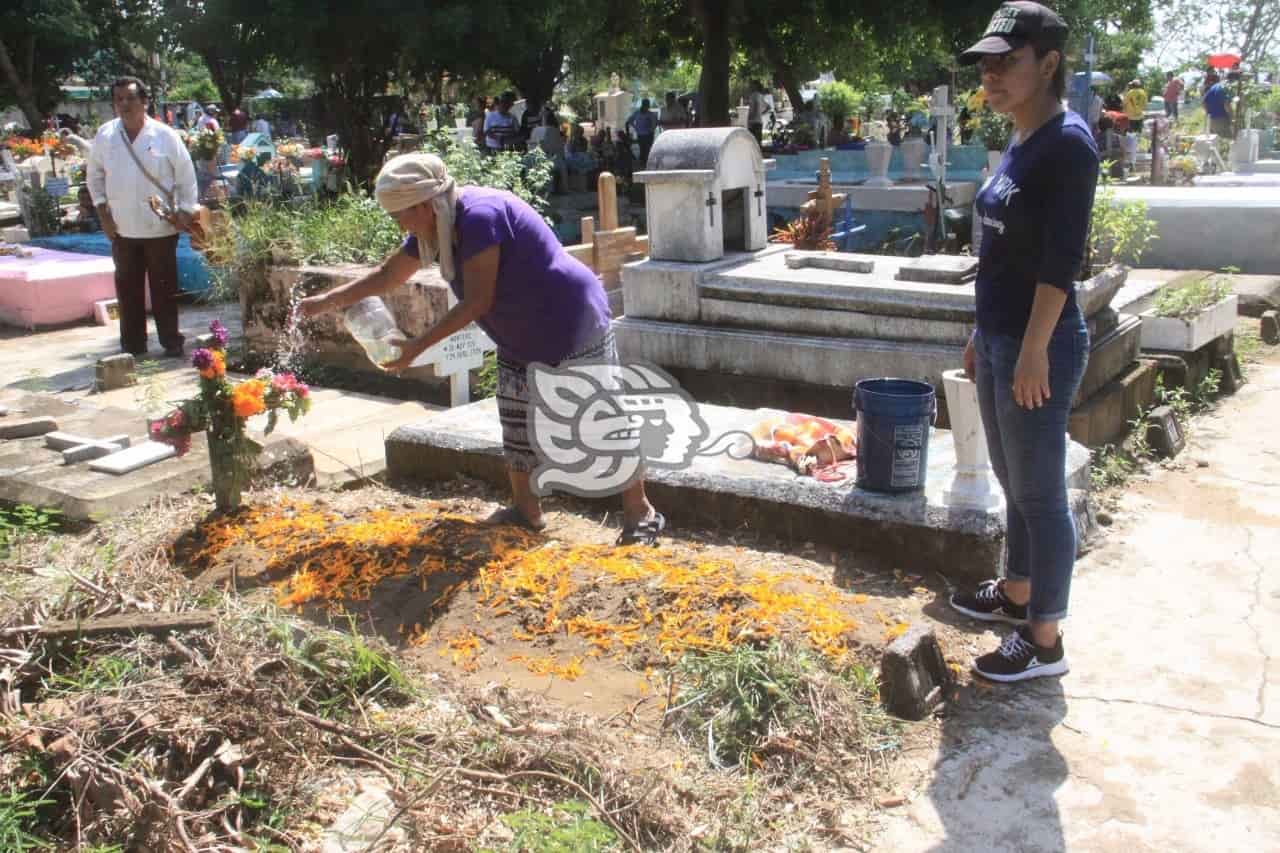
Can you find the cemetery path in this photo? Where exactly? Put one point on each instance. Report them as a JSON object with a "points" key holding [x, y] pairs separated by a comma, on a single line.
{"points": [[1166, 733]]}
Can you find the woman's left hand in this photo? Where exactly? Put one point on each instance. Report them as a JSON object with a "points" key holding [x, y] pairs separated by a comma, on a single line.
{"points": [[1031, 377], [409, 350]]}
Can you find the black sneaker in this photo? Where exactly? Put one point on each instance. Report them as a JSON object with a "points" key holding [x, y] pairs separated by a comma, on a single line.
{"points": [[1019, 658], [988, 603]]}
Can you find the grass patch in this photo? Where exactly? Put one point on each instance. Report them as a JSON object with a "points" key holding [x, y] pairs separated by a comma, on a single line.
{"points": [[18, 819], [749, 706], [339, 670], [567, 827], [26, 520]]}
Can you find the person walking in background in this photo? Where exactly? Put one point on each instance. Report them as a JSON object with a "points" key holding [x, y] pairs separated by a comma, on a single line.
{"points": [[674, 115], [501, 130], [644, 124], [1135, 105], [209, 118], [1217, 105], [132, 159], [1029, 350], [757, 108], [261, 125], [1172, 94], [238, 124]]}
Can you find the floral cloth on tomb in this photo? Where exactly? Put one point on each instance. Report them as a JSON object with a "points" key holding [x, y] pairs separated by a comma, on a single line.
{"points": [[807, 443]]}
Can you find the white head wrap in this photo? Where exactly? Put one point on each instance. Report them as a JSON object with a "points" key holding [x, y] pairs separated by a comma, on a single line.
{"points": [[411, 179]]}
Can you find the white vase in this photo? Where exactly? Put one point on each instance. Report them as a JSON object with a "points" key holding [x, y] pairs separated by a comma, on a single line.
{"points": [[973, 485], [878, 156], [993, 161], [912, 149]]}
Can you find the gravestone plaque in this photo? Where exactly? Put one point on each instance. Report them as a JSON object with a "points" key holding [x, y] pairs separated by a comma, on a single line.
{"points": [[1164, 433]]}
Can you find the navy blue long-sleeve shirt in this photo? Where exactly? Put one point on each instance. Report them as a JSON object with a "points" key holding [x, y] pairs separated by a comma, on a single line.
{"points": [[1035, 220]]}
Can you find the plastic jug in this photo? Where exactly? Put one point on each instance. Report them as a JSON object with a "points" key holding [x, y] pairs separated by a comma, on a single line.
{"points": [[374, 327]]}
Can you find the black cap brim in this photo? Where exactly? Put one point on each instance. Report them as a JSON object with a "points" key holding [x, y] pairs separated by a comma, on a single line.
{"points": [[991, 46]]}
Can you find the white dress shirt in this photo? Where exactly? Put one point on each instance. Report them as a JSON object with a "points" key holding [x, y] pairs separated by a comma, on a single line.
{"points": [[115, 179]]}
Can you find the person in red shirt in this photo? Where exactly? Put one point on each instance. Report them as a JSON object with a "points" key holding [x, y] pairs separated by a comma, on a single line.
{"points": [[1173, 87]]}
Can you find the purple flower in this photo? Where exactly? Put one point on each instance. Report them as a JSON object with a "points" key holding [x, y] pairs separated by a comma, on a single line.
{"points": [[219, 333], [201, 359]]}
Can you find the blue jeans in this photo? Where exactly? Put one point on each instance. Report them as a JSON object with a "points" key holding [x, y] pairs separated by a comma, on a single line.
{"points": [[1028, 449]]}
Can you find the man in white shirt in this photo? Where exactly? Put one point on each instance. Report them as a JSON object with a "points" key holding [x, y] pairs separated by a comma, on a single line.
{"points": [[143, 245]]}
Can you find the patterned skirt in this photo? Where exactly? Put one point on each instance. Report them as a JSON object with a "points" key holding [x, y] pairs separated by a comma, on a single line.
{"points": [[513, 399]]}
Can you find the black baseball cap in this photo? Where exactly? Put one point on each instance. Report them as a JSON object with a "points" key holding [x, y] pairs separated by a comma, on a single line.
{"points": [[1017, 24]]}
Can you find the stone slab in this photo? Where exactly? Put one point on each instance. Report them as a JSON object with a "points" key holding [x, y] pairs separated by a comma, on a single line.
{"points": [[1212, 227], [1105, 416], [940, 269], [133, 458], [26, 427], [1258, 293], [93, 450], [1109, 356], [917, 532], [839, 362]]}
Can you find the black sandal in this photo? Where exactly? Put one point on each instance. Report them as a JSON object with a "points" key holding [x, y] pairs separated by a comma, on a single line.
{"points": [[645, 532], [513, 515]]}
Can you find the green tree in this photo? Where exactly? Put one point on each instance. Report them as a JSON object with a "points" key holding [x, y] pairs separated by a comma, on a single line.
{"points": [[235, 38], [40, 42], [1192, 28]]}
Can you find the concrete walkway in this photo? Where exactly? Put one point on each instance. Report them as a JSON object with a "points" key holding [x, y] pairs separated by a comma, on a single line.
{"points": [[1165, 736], [345, 431]]}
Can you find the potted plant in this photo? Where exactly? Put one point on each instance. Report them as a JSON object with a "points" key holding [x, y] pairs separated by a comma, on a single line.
{"points": [[994, 130], [1183, 318], [221, 409], [838, 101]]}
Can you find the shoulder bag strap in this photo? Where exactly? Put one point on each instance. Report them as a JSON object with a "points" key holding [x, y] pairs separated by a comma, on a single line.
{"points": [[128, 146]]}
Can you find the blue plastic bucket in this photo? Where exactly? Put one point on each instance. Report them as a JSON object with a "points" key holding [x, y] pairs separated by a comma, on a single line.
{"points": [[894, 416]]}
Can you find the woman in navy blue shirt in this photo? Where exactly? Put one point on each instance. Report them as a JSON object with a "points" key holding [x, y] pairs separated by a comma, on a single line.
{"points": [[1030, 347]]}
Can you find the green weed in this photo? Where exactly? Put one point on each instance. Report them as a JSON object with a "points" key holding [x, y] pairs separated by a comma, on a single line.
{"points": [[103, 672], [18, 816], [568, 828], [340, 669], [1189, 300], [26, 519]]}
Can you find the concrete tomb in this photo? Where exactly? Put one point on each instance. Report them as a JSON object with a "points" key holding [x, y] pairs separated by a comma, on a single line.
{"points": [[704, 194]]}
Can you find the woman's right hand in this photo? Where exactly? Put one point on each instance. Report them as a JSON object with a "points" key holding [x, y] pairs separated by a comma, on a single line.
{"points": [[313, 306], [970, 359]]}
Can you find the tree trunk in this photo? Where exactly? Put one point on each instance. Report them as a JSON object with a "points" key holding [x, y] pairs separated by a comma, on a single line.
{"points": [[713, 86], [22, 90], [785, 75]]}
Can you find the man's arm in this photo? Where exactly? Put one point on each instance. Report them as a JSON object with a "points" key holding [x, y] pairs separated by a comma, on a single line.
{"points": [[96, 177]]}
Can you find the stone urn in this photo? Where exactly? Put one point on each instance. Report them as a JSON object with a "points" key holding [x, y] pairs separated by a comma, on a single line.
{"points": [[878, 156], [913, 150], [973, 485]]}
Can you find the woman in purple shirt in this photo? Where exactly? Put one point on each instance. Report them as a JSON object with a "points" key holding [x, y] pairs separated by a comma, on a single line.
{"points": [[513, 279]]}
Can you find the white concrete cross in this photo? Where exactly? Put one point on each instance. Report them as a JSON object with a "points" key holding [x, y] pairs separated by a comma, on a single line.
{"points": [[456, 356], [78, 448]]}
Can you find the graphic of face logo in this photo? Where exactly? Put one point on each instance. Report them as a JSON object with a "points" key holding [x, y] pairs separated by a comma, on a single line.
{"points": [[596, 426]]}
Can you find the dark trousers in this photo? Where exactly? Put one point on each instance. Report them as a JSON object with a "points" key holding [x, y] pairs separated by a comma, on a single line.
{"points": [[646, 143], [138, 261]]}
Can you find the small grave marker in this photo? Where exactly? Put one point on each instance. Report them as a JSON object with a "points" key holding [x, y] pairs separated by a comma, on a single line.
{"points": [[106, 311], [456, 356], [124, 461], [1163, 432], [1271, 327], [115, 371]]}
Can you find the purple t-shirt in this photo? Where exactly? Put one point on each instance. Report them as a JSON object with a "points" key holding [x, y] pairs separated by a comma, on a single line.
{"points": [[548, 304]]}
